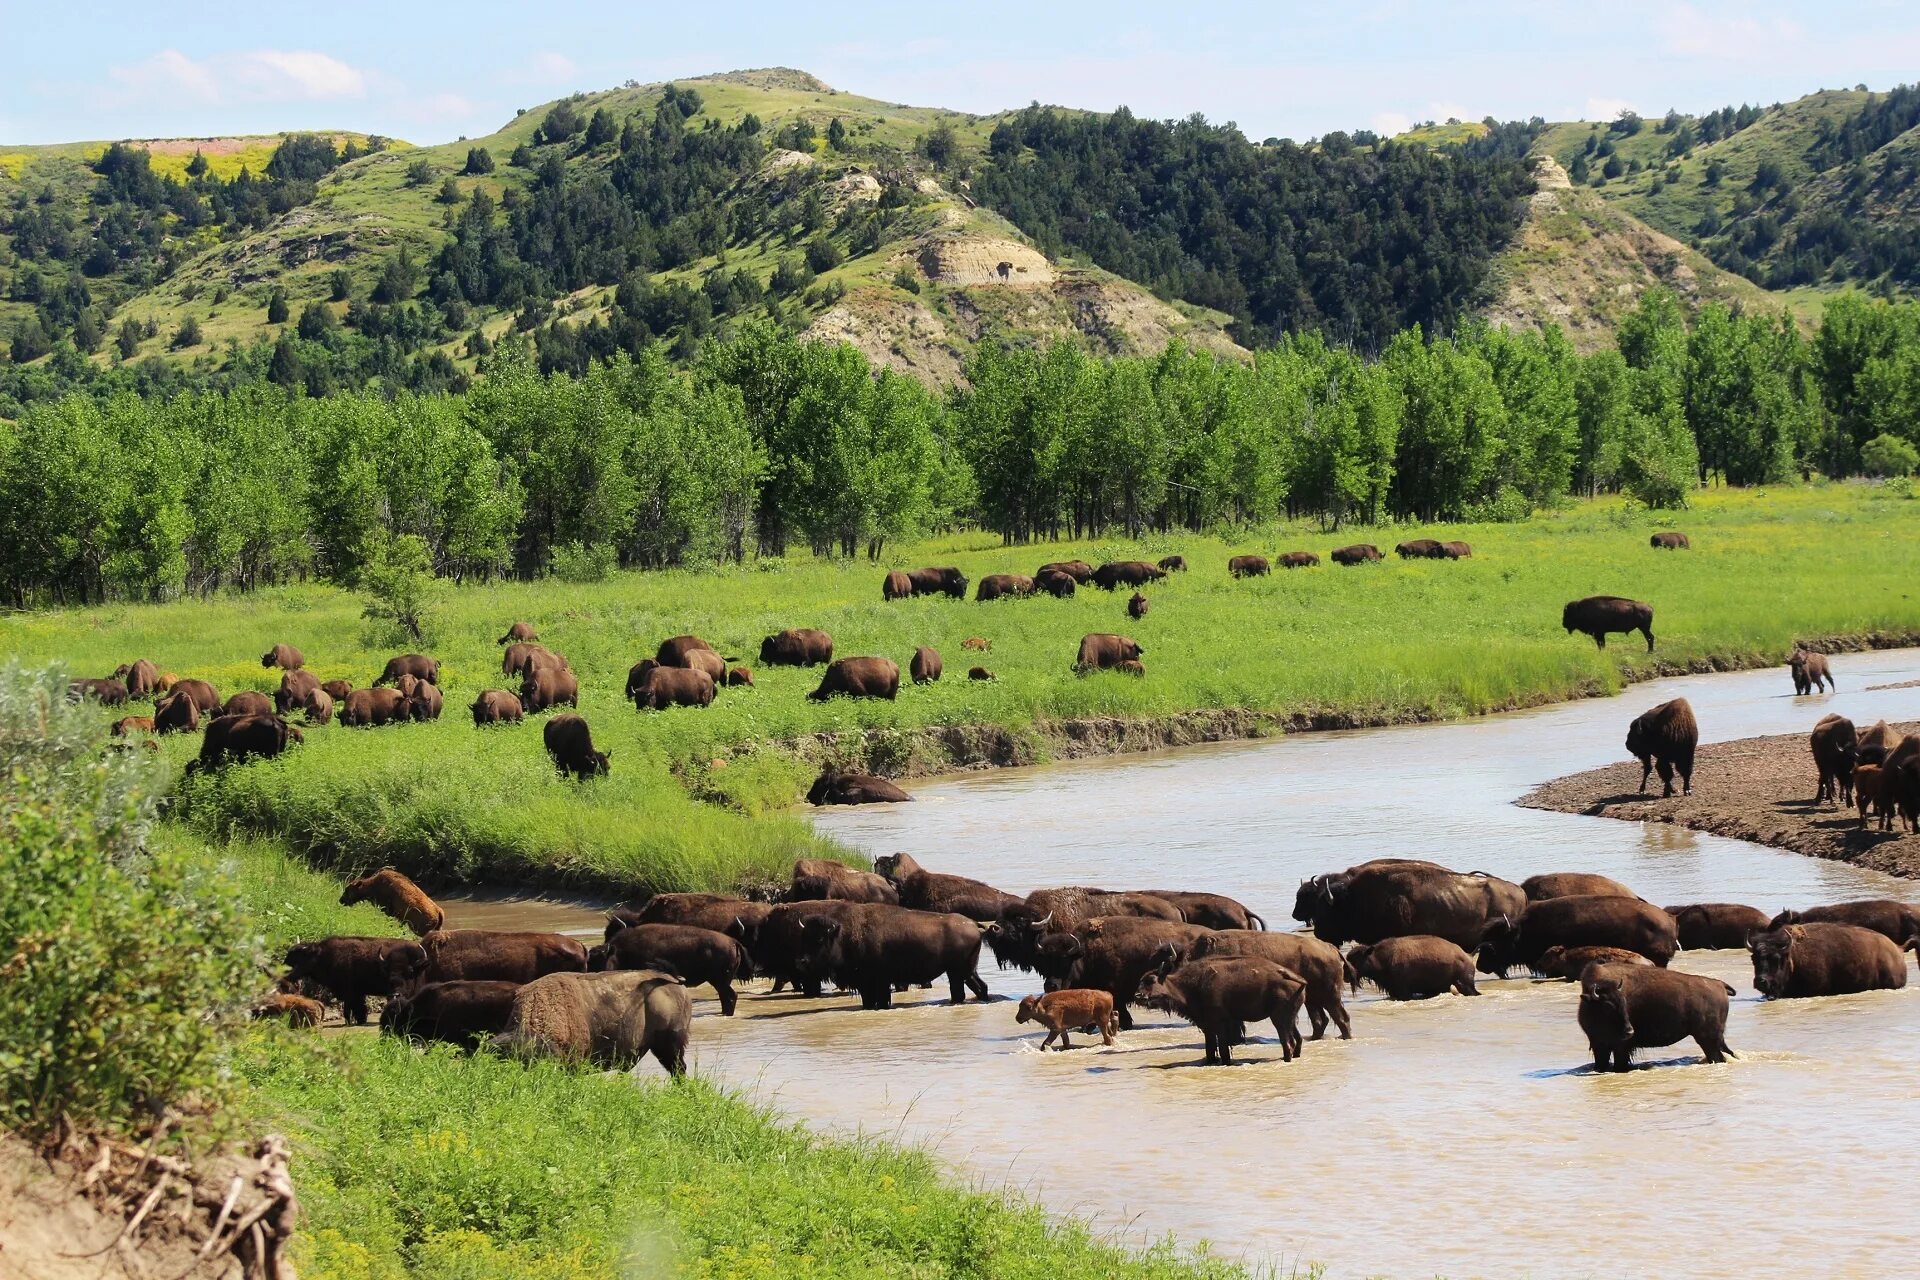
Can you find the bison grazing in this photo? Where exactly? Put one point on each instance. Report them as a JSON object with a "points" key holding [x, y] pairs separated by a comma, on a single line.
{"points": [[1821, 959], [1137, 607], [738, 677], [896, 586], [1665, 738], [249, 702], [997, 585], [497, 706], [1597, 616], [859, 678], [835, 787], [653, 687], [1896, 921], [1717, 926], [1571, 884], [465, 1013], [1248, 566], [1391, 898], [1079, 570], [1298, 559], [285, 657], [936, 581], [399, 897], [692, 954], [674, 650], [1568, 963], [426, 702], [1063, 1011], [205, 699], [1810, 673], [611, 1020], [1413, 968], [349, 969], [108, 692], [337, 689], [1126, 573], [979, 673], [1100, 650], [525, 657], [1669, 541], [518, 632], [570, 744], [368, 707], [1220, 996], [1626, 923], [232, 739], [417, 665], [925, 890], [175, 713], [1834, 748], [1419, 549], [1317, 962], [796, 647], [293, 690], [319, 707], [1055, 583], [1358, 553], [141, 677], [1174, 564], [546, 687], [1455, 551], [925, 666], [1623, 1008], [477, 955]]}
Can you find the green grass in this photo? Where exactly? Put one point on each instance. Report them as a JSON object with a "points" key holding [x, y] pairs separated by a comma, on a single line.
{"points": [[1383, 643]]}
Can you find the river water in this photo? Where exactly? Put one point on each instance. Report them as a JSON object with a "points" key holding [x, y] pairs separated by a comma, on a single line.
{"points": [[1456, 1137]]}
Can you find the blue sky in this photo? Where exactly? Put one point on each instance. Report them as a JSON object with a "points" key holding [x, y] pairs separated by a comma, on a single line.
{"points": [[430, 72]]}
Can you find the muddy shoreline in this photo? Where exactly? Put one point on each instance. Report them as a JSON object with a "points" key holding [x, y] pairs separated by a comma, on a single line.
{"points": [[1755, 789]]}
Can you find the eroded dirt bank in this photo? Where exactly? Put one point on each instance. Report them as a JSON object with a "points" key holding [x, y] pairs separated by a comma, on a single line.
{"points": [[1755, 789]]}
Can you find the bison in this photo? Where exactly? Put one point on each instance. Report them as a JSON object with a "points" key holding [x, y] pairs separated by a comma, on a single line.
{"points": [[294, 1010], [1112, 954], [175, 713], [1220, 996], [450, 955], [1716, 926], [497, 706], [653, 687], [1391, 898], [1669, 541], [1415, 967], [417, 665], [796, 647], [1665, 738], [936, 581], [823, 880], [691, 953], [1568, 963], [896, 586], [285, 657], [738, 677], [1014, 937], [349, 969], [611, 1020], [1825, 959], [1876, 743], [1834, 748], [546, 687], [570, 743], [426, 703], [524, 657], [859, 678], [1248, 567], [776, 939], [1623, 1008], [1126, 573], [1062, 1011], [1318, 963], [979, 673], [141, 677], [249, 702], [926, 890], [319, 707], [925, 665], [1585, 921], [1419, 549], [1298, 560], [233, 739], [368, 707], [1455, 551], [1173, 564], [1079, 570], [995, 586], [1214, 910], [293, 691], [337, 689], [205, 700], [518, 632], [398, 897], [107, 692], [1810, 673], [874, 947], [1873, 793], [1358, 553], [464, 1012], [1056, 583], [1598, 616], [1570, 884], [1100, 650], [1897, 921]]}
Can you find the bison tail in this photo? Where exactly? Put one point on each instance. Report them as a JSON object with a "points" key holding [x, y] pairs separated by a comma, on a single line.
{"points": [[1256, 922]]}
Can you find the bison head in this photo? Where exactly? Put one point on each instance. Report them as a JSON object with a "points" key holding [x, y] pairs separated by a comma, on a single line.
{"points": [[1055, 953], [1784, 919], [302, 958], [396, 1016], [954, 583], [406, 964], [1498, 946], [1355, 964], [1155, 993], [597, 958], [1029, 1005], [1605, 1000], [1553, 963], [1773, 958], [355, 891], [1568, 618]]}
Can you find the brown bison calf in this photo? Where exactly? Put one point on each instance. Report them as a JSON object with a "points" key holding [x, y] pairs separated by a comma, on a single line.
{"points": [[1568, 963], [132, 724], [1834, 747], [1665, 738], [979, 673], [1413, 967], [978, 644], [1810, 672], [925, 666], [570, 743], [1137, 607], [1248, 566], [739, 676], [284, 656], [1873, 790], [1062, 1011], [296, 1011], [461, 1012], [398, 897], [1358, 553], [1223, 994], [1100, 650], [497, 706], [1717, 926], [1623, 1008], [1597, 616]]}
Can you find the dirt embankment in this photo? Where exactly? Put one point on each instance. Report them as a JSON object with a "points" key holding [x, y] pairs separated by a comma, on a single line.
{"points": [[1755, 789]]}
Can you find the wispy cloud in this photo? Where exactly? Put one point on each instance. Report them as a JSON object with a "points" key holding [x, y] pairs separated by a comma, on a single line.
{"points": [[1687, 32], [1605, 108], [259, 75]]}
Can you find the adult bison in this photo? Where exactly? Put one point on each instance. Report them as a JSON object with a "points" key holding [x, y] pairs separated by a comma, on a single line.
{"points": [[996, 586], [1079, 570], [546, 687], [1358, 553], [1016, 935], [653, 687], [293, 690], [1599, 616], [612, 1020], [1126, 573], [674, 650], [1568, 963], [859, 678], [1665, 738], [426, 702], [1626, 923], [367, 707], [1669, 541], [475, 955], [397, 896], [1248, 567], [925, 666], [569, 743], [1824, 959], [1173, 564], [1834, 748], [1319, 963], [1413, 968], [1056, 583], [497, 706], [234, 739], [518, 632], [417, 665], [141, 677], [1298, 560], [1113, 953], [874, 948], [836, 787], [1877, 743], [1455, 551], [525, 657], [349, 969], [715, 911], [1214, 910], [249, 702], [1626, 1007], [1419, 549], [464, 1013], [925, 890], [1100, 650], [205, 700], [796, 647], [1810, 673], [175, 713], [108, 692], [1717, 926], [777, 940], [1220, 996], [284, 656], [937, 581], [337, 689], [697, 956], [1392, 898], [896, 586], [1897, 921], [1571, 884], [824, 880]]}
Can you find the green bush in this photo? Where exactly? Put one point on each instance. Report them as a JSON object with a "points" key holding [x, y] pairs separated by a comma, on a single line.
{"points": [[1886, 455], [577, 562]]}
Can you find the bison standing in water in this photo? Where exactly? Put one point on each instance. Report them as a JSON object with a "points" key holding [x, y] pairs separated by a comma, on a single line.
{"points": [[570, 743], [1220, 996], [1625, 1007], [449, 955], [796, 647], [1665, 738], [824, 880], [1568, 963], [1318, 963], [1413, 968], [1822, 959], [1627, 923], [1810, 672], [1063, 1011], [1598, 616], [1717, 926], [925, 890], [1834, 748], [874, 948], [398, 897], [1394, 897], [1573, 884], [1897, 921], [1112, 954], [694, 954], [860, 678]]}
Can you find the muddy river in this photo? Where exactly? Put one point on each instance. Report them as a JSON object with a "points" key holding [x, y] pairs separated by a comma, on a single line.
{"points": [[1456, 1137]]}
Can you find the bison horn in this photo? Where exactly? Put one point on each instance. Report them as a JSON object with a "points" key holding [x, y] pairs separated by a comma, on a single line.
{"points": [[1044, 921]]}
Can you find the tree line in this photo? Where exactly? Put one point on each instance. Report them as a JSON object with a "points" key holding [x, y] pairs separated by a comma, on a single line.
{"points": [[764, 443]]}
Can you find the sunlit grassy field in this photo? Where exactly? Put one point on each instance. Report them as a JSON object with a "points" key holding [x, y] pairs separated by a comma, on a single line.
{"points": [[1393, 641]]}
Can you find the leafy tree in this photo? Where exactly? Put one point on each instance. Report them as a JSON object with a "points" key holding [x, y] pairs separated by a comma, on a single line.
{"points": [[940, 145], [396, 586], [187, 335], [419, 173], [1886, 455], [823, 255], [601, 129], [277, 307], [561, 123], [198, 166], [399, 277], [449, 191], [837, 135], [479, 161], [317, 322], [522, 157], [340, 285], [126, 339]]}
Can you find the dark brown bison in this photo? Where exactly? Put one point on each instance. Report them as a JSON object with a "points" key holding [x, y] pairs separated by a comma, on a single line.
{"points": [[1063, 1011], [775, 938], [293, 690], [1876, 743], [1214, 910], [1079, 570], [175, 713], [796, 647], [348, 969], [998, 585], [1897, 921], [367, 707], [1626, 923], [653, 687], [236, 739], [545, 688], [612, 1020], [674, 650], [859, 678], [1413, 968], [836, 787], [319, 707], [141, 677], [398, 897], [484, 955], [1716, 926], [525, 657], [694, 955], [205, 700], [874, 948], [1568, 963], [1112, 954], [1220, 996], [1393, 898], [1810, 673], [896, 586], [497, 706], [1572, 884], [249, 702], [1137, 607], [126, 725], [337, 689], [925, 890], [1597, 616], [715, 911], [1174, 564], [1834, 746], [1419, 549], [426, 702], [1319, 963], [1100, 650], [417, 665], [1455, 551], [739, 677], [979, 673], [1358, 553], [284, 656], [938, 581], [824, 880], [518, 632], [1873, 793], [463, 1013], [570, 744], [1665, 738], [1298, 559], [1055, 583], [1016, 935], [1126, 573], [1248, 566], [1625, 1007], [925, 665], [1669, 541], [107, 692], [1823, 959]]}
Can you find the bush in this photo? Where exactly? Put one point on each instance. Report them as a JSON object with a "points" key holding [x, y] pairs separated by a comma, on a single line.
{"points": [[1509, 506], [187, 335], [907, 278], [396, 577], [1886, 455], [576, 562], [479, 161], [419, 173]]}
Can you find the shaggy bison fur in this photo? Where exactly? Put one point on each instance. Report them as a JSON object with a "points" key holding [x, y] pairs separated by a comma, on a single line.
{"points": [[796, 647], [1623, 1008], [1598, 616], [398, 897], [463, 1012], [1222, 995], [1413, 968], [1823, 959], [1716, 926], [1665, 738], [611, 1020], [570, 744], [859, 678]]}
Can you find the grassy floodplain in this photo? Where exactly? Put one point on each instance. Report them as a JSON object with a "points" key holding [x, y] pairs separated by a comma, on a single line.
{"points": [[698, 798]]}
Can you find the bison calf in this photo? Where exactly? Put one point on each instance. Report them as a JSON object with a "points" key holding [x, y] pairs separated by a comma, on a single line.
{"points": [[1061, 1011]]}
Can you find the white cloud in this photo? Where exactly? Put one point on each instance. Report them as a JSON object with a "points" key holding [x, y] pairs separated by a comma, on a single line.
{"points": [[168, 72], [1390, 123], [1689, 33], [1605, 108], [298, 74], [552, 65], [259, 75]]}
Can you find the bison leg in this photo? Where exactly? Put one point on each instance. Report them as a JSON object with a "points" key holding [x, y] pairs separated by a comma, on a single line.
{"points": [[1646, 771], [1666, 779], [1065, 1044], [1050, 1036], [1317, 1016], [1622, 1057], [1600, 639], [1121, 1011], [976, 985], [728, 997], [879, 996], [1648, 633], [1211, 1041], [354, 1009], [1599, 1058], [672, 1054], [1712, 1045]]}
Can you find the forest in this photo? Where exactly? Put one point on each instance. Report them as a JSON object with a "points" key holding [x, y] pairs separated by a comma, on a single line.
{"points": [[765, 444]]}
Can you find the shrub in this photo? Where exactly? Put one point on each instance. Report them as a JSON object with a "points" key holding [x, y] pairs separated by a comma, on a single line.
{"points": [[187, 335], [577, 562], [1886, 455], [396, 578], [1509, 506], [907, 278], [479, 161]]}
